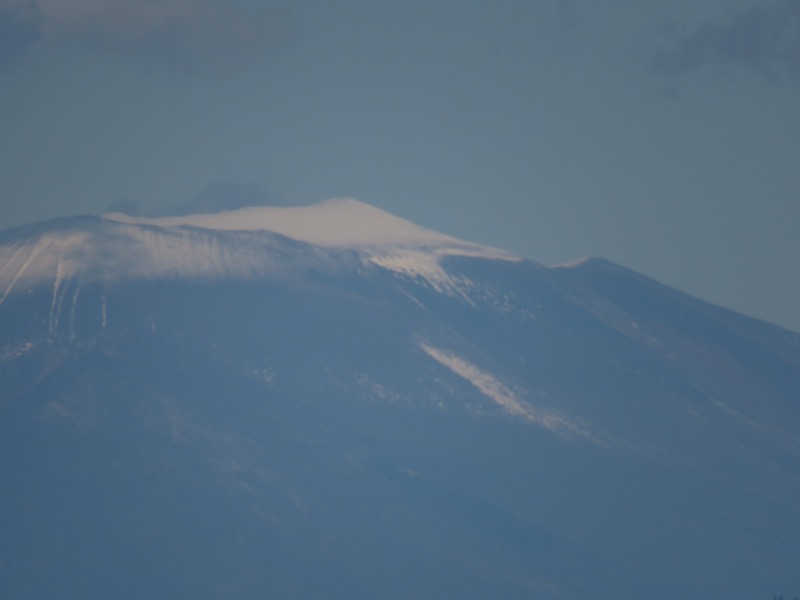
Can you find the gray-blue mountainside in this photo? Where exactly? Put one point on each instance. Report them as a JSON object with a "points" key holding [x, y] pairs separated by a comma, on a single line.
{"points": [[331, 402]]}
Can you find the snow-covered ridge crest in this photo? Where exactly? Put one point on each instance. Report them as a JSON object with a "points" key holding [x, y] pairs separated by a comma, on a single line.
{"points": [[338, 222], [242, 244], [379, 237]]}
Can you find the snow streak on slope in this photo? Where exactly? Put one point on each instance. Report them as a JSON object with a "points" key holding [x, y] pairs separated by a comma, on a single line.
{"points": [[422, 264], [51, 257], [502, 395]]}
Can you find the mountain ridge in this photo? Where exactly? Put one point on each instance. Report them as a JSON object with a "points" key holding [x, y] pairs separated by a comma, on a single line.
{"points": [[246, 243]]}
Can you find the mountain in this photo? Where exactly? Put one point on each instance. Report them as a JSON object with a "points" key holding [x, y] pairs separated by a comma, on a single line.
{"points": [[331, 402]]}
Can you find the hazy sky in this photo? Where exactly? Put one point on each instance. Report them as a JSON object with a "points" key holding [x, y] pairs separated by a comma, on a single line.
{"points": [[662, 135]]}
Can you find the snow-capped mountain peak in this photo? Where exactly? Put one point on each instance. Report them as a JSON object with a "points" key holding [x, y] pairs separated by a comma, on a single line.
{"points": [[338, 222], [239, 244]]}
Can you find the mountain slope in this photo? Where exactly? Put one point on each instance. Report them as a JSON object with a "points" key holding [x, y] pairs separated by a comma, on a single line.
{"points": [[250, 405]]}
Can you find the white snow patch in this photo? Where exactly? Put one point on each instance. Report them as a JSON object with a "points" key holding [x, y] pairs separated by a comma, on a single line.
{"points": [[59, 291], [72, 313], [424, 264], [488, 385], [54, 303], [503, 395], [17, 350]]}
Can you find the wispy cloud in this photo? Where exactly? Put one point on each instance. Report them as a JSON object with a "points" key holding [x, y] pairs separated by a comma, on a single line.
{"points": [[763, 38], [215, 197], [202, 36], [226, 195]]}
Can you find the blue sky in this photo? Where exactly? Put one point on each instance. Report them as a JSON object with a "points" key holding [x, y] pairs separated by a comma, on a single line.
{"points": [[662, 135]]}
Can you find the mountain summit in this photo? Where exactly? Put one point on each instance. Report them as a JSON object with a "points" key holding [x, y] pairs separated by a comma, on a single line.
{"points": [[248, 243], [332, 402], [339, 222]]}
